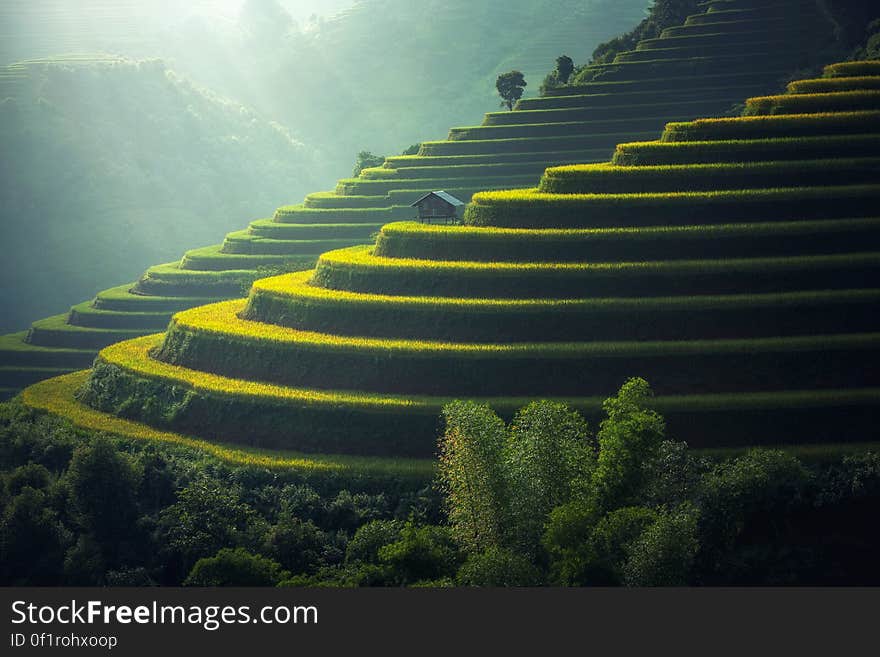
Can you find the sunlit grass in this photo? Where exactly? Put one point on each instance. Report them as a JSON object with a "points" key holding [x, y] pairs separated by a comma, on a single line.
{"points": [[782, 125], [56, 396], [833, 101], [222, 319], [852, 69], [740, 150], [820, 85], [611, 178]]}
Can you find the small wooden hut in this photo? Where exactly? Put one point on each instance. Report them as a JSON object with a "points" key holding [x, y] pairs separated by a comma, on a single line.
{"points": [[438, 205]]}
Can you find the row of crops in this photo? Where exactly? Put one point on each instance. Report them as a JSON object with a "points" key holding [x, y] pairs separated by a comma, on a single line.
{"points": [[580, 123], [751, 310]]}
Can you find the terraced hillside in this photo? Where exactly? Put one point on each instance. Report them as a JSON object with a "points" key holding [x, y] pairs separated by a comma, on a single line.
{"points": [[107, 165], [733, 262], [632, 100]]}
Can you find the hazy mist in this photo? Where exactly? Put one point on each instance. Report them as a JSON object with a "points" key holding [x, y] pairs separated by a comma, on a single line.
{"points": [[131, 131]]}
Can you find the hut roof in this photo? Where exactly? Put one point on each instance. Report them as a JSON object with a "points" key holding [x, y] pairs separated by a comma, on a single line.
{"points": [[449, 198]]}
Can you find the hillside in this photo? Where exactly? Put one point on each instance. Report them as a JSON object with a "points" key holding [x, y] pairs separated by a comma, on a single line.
{"points": [[576, 124], [733, 262], [440, 58], [32, 29], [730, 262], [107, 165]]}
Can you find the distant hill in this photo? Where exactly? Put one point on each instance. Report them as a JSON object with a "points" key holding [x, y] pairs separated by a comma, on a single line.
{"points": [[384, 74], [378, 75], [109, 165]]}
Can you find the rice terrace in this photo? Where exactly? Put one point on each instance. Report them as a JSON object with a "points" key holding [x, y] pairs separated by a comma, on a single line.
{"points": [[646, 353]]}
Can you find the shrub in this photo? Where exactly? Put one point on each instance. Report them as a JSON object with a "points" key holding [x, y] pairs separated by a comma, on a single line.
{"points": [[664, 554], [235, 567], [662, 14], [32, 475], [297, 545], [366, 159], [871, 47], [422, 554], [369, 538], [605, 553], [498, 567], [757, 494], [206, 519]]}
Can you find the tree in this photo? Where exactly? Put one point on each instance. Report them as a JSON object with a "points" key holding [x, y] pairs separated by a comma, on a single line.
{"points": [[31, 542], [471, 472], [104, 484], [206, 518], [298, 545], [236, 567], [510, 87], [564, 68], [84, 563], [748, 506], [33, 474], [673, 475], [366, 160], [548, 456], [558, 76], [611, 542], [423, 553], [662, 14], [870, 49], [629, 442]]}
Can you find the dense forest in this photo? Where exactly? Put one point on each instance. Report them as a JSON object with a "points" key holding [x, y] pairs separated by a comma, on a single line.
{"points": [[545, 500]]}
